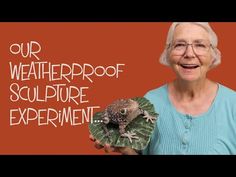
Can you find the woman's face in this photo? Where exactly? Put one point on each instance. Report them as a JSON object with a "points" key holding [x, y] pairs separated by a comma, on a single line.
{"points": [[190, 53]]}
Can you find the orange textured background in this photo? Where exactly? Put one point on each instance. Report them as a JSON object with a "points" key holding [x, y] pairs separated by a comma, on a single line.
{"points": [[137, 45]]}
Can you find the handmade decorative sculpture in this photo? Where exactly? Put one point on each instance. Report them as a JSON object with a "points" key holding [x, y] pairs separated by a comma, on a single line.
{"points": [[125, 122]]}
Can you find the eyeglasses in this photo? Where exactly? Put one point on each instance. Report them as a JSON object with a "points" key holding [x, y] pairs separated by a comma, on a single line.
{"points": [[199, 48]]}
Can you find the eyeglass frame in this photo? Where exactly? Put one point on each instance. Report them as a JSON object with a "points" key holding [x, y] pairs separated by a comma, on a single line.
{"points": [[170, 45]]}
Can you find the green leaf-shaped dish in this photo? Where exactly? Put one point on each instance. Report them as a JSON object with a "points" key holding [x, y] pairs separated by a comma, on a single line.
{"points": [[139, 126]]}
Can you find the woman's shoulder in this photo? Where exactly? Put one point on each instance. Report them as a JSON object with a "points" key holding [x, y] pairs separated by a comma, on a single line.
{"points": [[227, 92], [227, 97], [159, 91], [158, 95]]}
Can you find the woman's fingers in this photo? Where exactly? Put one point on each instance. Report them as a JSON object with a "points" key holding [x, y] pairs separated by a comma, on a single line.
{"points": [[123, 150], [108, 148], [91, 138], [98, 145], [127, 151]]}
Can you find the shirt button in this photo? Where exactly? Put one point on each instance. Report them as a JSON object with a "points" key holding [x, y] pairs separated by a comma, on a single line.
{"points": [[184, 140], [187, 124], [184, 149], [188, 116]]}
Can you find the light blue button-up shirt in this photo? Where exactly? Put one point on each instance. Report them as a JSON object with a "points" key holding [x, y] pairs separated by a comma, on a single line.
{"points": [[213, 132]]}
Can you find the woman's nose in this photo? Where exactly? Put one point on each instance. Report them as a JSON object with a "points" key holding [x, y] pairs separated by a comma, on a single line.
{"points": [[189, 53]]}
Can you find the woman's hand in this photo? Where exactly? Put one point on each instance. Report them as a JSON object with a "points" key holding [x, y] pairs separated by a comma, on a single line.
{"points": [[108, 148]]}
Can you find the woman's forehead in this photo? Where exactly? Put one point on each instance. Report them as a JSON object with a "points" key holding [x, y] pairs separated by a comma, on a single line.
{"points": [[190, 31]]}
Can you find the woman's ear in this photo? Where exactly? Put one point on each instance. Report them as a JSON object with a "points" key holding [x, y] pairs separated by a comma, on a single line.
{"points": [[216, 58]]}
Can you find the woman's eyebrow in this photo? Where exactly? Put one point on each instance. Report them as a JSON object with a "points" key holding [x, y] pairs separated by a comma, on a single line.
{"points": [[179, 40], [194, 41], [200, 40]]}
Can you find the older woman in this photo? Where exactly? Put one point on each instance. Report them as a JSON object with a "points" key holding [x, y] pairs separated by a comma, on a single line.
{"points": [[196, 115]]}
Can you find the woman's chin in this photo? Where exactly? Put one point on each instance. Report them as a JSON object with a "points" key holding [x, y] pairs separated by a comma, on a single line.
{"points": [[189, 78]]}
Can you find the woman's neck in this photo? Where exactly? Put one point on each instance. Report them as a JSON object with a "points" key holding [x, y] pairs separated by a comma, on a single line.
{"points": [[192, 98], [188, 91]]}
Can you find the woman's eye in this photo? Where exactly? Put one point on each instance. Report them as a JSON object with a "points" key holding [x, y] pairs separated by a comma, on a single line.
{"points": [[200, 45], [179, 45]]}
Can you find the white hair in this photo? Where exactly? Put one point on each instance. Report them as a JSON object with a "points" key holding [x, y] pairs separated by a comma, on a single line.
{"points": [[212, 36]]}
